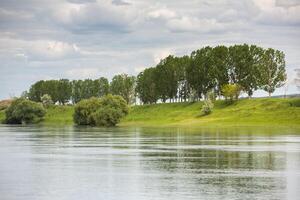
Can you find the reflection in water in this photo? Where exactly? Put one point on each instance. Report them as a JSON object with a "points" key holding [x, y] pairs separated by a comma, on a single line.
{"points": [[94, 163]]}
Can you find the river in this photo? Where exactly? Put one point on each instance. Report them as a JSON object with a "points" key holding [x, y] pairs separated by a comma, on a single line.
{"points": [[70, 163]]}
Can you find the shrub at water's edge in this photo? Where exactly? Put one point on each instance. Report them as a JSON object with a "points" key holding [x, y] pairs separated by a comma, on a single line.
{"points": [[105, 111], [23, 111]]}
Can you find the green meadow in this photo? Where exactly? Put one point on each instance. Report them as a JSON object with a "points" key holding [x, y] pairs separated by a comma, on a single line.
{"points": [[245, 112]]}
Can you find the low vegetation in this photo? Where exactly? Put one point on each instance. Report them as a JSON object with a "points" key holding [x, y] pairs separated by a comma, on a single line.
{"points": [[245, 112], [105, 111], [23, 111]]}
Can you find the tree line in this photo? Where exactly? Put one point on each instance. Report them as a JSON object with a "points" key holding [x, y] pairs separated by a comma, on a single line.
{"points": [[186, 78], [64, 90]]}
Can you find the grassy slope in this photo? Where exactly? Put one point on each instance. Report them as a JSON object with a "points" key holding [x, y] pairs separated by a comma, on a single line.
{"points": [[59, 115], [246, 112], [253, 112]]}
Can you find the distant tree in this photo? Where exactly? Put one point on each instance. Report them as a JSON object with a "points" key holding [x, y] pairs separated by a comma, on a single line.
{"points": [[36, 91], [123, 85], [167, 78], [231, 91], [23, 111], [103, 86], [221, 67], [244, 62], [146, 86], [272, 73], [183, 86], [200, 73], [64, 91], [24, 95], [46, 100]]}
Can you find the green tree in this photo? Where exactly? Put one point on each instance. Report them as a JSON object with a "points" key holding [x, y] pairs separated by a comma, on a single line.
{"points": [[200, 73], [220, 56], [23, 111], [183, 86], [167, 79], [36, 91], [46, 100], [231, 92], [64, 91], [103, 86], [146, 86], [272, 70], [123, 85]]}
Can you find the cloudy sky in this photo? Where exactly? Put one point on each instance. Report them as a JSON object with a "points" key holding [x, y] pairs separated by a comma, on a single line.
{"points": [[77, 39]]}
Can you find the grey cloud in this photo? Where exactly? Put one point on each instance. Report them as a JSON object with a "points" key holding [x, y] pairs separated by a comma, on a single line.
{"points": [[80, 39]]}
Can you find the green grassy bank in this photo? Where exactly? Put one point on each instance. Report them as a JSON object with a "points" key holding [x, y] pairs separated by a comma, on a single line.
{"points": [[245, 112]]}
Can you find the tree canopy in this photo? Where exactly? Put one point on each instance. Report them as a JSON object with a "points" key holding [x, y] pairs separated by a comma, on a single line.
{"points": [[184, 78]]}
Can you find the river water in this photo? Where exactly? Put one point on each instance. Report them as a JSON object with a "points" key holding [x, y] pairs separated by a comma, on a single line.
{"points": [[138, 163]]}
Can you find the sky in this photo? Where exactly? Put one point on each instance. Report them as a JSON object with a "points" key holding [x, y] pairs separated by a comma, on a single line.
{"points": [[77, 39]]}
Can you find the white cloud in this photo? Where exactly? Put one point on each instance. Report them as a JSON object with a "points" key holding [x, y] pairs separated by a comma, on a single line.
{"points": [[187, 24], [161, 54], [83, 73], [273, 13], [162, 13]]}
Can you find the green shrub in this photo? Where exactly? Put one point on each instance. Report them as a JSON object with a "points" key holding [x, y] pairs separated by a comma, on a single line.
{"points": [[231, 91], [105, 111], [23, 111], [84, 110], [207, 107]]}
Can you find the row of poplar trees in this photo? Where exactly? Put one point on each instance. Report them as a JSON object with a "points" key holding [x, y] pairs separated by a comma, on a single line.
{"points": [[180, 78]]}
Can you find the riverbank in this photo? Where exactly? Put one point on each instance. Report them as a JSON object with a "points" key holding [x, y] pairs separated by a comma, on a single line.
{"points": [[245, 112]]}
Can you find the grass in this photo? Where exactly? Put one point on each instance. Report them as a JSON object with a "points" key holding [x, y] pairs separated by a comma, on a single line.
{"points": [[245, 112], [59, 115]]}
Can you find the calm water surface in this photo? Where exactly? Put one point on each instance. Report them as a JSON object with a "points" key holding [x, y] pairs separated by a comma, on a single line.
{"points": [[137, 163]]}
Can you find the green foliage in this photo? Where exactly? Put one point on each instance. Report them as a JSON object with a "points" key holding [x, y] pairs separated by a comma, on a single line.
{"points": [[200, 73], [207, 107], [46, 100], [24, 111], [231, 91], [84, 110], [272, 74], [180, 78], [124, 86], [105, 111], [146, 86]]}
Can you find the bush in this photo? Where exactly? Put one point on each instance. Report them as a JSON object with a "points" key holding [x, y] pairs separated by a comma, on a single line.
{"points": [[207, 107], [23, 111], [231, 91], [84, 111], [46, 100], [106, 111]]}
